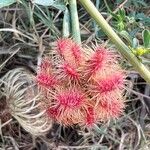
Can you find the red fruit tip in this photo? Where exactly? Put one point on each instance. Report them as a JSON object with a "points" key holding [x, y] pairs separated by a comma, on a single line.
{"points": [[90, 117], [97, 61], [70, 71], [52, 112], [70, 99], [45, 80], [63, 44], [111, 83]]}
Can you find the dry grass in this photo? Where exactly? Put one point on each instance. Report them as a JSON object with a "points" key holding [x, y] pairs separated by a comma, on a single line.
{"points": [[26, 33]]}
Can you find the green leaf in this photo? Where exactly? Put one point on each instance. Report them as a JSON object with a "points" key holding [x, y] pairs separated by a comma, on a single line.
{"points": [[126, 36], [55, 3], [135, 43], [44, 2], [146, 38], [122, 14], [59, 5], [4, 3]]}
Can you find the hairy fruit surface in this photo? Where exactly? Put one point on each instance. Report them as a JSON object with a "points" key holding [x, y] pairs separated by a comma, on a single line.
{"points": [[81, 89]]}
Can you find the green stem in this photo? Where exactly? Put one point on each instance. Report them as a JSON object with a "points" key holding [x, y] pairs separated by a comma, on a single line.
{"points": [[122, 47], [107, 6], [74, 21], [66, 24]]}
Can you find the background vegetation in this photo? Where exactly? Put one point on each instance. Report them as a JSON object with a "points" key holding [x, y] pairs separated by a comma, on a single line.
{"points": [[27, 31]]}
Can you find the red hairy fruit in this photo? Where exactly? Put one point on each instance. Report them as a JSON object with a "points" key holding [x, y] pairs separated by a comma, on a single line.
{"points": [[90, 117], [45, 66], [45, 80], [81, 86], [69, 71], [63, 45], [96, 62], [110, 83], [70, 99], [52, 112], [76, 52], [110, 109], [69, 51], [69, 105]]}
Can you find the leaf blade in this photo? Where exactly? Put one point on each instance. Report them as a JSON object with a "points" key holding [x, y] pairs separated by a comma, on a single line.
{"points": [[44, 2], [4, 3], [146, 38]]}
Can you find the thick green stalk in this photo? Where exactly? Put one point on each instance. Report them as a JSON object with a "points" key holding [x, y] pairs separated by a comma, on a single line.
{"points": [[122, 47], [74, 21], [66, 24]]}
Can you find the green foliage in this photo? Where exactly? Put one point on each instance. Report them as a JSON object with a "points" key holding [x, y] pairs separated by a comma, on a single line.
{"points": [[44, 2], [59, 4], [146, 38], [35, 26], [140, 50], [4, 3], [128, 25], [137, 3], [124, 34], [120, 18], [137, 21]]}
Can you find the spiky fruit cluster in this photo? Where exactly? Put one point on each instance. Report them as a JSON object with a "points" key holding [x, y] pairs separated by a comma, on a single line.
{"points": [[81, 86]]}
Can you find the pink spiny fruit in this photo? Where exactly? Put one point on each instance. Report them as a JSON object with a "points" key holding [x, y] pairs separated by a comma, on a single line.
{"points": [[107, 110], [70, 98], [62, 45], [46, 66], [90, 85], [110, 83], [70, 51], [110, 96], [44, 77], [52, 112], [76, 53], [107, 71], [90, 119], [46, 80], [67, 73], [96, 61], [69, 105], [101, 64]]}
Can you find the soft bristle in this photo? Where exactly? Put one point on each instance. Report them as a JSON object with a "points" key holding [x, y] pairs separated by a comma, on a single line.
{"points": [[63, 45], [70, 99], [68, 73], [52, 112], [97, 61], [45, 66], [90, 117], [110, 83], [69, 104], [110, 109], [76, 52], [45, 80], [82, 86]]}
